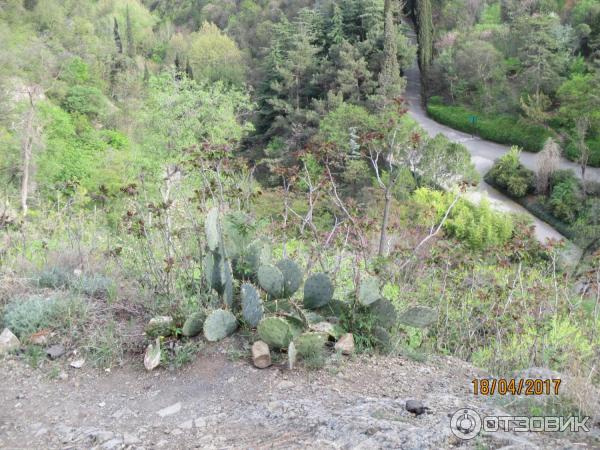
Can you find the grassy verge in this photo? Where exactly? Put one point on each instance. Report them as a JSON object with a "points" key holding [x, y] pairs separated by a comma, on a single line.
{"points": [[502, 129]]}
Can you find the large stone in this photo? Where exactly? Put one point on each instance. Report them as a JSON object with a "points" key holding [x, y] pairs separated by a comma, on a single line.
{"points": [[345, 344], [261, 356], [8, 341]]}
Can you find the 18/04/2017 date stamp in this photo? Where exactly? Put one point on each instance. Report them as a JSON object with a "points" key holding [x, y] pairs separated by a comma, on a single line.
{"points": [[512, 386]]}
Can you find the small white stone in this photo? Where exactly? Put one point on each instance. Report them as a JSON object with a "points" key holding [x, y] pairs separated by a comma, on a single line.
{"points": [[169, 410]]}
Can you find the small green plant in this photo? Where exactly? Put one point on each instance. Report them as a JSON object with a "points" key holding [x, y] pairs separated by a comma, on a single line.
{"points": [[27, 316], [105, 347], [54, 278], [34, 355]]}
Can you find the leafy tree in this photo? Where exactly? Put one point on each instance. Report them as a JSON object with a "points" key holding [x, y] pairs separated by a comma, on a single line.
{"points": [[446, 163], [214, 56]]}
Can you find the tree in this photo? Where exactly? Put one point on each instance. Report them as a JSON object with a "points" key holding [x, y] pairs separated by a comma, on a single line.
{"points": [[396, 147], [129, 34], [391, 84], [214, 56], [543, 48], [547, 162], [424, 34], [28, 139], [446, 163], [582, 126]]}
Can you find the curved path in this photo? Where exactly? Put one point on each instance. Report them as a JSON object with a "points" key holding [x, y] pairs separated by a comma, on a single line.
{"points": [[484, 153]]}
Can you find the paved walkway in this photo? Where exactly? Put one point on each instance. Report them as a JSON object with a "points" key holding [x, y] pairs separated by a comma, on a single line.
{"points": [[483, 154]]}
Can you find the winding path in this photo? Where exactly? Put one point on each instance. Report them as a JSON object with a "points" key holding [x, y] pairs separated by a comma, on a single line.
{"points": [[484, 153]]}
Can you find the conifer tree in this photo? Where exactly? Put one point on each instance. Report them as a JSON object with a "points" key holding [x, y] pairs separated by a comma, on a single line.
{"points": [[390, 82], [129, 34], [425, 34], [117, 37], [188, 70]]}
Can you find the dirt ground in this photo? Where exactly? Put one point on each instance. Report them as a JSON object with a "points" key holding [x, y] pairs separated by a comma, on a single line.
{"points": [[217, 403]]}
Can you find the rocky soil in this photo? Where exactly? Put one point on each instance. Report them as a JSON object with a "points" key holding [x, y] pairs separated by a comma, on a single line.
{"points": [[218, 403]]}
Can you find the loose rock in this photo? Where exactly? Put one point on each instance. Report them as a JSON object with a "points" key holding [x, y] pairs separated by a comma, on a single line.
{"points": [[55, 351], [169, 410], [8, 341], [78, 363], [261, 356], [416, 407], [345, 344]]}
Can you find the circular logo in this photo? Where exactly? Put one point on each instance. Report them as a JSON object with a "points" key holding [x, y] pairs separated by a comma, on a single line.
{"points": [[465, 424]]}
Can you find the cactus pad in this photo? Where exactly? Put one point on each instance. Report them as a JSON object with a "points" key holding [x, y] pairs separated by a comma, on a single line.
{"points": [[382, 338], [292, 276], [211, 228], [318, 291], [270, 279], [385, 313], [257, 254], [368, 291], [308, 344], [193, 324], [418, 316], [219, 324], [276, 332], [252, 308]]}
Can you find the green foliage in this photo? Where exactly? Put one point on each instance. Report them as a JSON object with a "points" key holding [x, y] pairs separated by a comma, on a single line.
{"points": [[214, 56], [573, 153], [219, 324], [497, 128], [309, 344], [509, 174], [479, 226], [29, 315], [565, 198]]}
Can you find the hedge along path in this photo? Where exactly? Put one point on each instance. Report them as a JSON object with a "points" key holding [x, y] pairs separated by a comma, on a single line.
{"points": [[483, 154]]}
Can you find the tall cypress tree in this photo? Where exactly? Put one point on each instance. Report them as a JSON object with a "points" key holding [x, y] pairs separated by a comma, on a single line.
{"points": [[188, 69], [390, 82], [117, 37], [425, 34], [129, 34]]}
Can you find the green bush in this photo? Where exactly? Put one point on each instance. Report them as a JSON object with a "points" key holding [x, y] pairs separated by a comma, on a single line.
{"points": [[501, 128], [573, 153], [565, 200], [477, 225], [508, 173], [54, 278], [27, 316]]}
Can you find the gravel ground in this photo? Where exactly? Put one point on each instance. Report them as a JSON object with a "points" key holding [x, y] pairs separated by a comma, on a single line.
{"points": [[357, 403]]}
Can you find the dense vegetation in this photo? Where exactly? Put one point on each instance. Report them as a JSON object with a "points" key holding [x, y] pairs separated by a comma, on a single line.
{"points": [[158, 157], [534, 61]]}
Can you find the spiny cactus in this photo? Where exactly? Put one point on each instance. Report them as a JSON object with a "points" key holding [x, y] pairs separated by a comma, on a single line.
{"points": [[296, 324], [270, 279], [193, 324], [257, 254], [318, 291], [385, 313], [219, 324], [368, 291], [309, 343], [418, 316], [227, 278], [276, 332], [292, 276], [252, 308], [211, 228]]}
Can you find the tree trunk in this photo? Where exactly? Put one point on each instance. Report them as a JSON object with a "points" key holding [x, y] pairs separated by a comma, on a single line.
{"points": [[384, 222], [26, 147]]}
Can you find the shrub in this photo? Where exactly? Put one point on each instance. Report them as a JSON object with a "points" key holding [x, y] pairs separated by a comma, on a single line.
{"points": [[27, 316], [573, 153], [498, 128], [54, 278], [565, 200], [509, 174], [477, 225]]}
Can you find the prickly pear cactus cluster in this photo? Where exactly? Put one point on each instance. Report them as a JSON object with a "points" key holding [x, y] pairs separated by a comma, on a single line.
{"points": [[239, 268]]}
